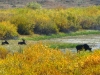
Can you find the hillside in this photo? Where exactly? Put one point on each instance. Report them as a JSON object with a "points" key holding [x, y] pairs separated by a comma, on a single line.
{"points": [[48, 3]]}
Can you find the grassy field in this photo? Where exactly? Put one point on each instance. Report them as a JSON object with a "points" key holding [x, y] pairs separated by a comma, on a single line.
{"points": [[14, 47], [33, 39]]}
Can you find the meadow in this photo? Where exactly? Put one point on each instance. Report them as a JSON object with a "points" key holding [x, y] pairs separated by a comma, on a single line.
{"points": [[45, 58]]}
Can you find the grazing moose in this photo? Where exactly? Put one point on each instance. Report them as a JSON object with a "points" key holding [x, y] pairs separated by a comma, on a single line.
{"points": [[84, 46], [5, 42], [22, 43]]}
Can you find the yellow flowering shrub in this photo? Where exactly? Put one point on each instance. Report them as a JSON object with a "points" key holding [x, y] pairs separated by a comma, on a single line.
{"points": [[49, 21], [45, 58], [7, 30], [35, 60], [39, 59], [3, 53]]}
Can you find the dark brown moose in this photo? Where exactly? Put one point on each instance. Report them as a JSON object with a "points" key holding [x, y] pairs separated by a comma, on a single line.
{"points": [[83, 46], [5, 42], [22, 42]]}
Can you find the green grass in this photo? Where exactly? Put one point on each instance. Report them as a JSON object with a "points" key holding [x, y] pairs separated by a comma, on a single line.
{"points": [[37, 37], [59, 45], [13, 46], [85, 32], [62, 45]]}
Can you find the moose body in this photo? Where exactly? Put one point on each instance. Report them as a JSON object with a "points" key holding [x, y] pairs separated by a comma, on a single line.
{"points": [[84, 46], [22, 43], [5, 42]]}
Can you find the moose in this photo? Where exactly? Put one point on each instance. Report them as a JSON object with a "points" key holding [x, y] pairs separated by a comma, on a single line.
{"points": [[83, 46], [22, 43], [5, 42]]}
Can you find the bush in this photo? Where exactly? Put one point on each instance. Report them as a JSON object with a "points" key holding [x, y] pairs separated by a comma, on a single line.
{"points": [[7, 30], [87, 23], [34, 5], [39, 59], [48, 21], [46, 28], [3, 52], [25, 27]]}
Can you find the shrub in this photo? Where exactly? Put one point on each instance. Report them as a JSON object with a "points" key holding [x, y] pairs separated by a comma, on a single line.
{"points": [[39, 59], [46, 28], [34, 5], [24, 25], [44, 58], [7, 30], [36, 59], [90, 64], [48, 21], [3, 17], [87, 23], [44, 25], [3, 52]]}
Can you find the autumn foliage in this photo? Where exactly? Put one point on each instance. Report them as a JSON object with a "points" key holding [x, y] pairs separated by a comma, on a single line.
{"points": [[51, 21], [39, 59], [7, 30]]}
